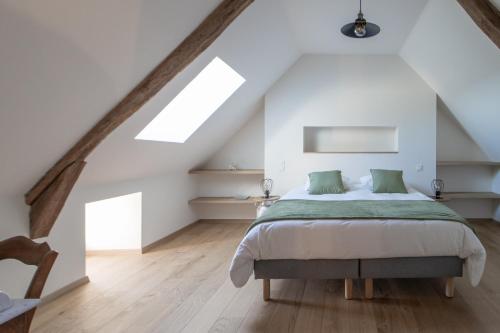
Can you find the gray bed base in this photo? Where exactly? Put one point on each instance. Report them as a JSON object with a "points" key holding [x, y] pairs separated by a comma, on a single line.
{"points": [[367, 269]]}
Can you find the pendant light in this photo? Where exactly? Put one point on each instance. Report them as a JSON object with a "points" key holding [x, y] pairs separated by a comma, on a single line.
{"points": [[360, 28]]}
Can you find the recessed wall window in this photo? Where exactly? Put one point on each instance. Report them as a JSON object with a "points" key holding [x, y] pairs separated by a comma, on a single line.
{"points": [[114, 224], [194, 104], [351, 139]]}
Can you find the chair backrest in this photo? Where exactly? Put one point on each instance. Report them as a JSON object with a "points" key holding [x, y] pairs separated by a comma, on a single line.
{"points": [[30, 253]]}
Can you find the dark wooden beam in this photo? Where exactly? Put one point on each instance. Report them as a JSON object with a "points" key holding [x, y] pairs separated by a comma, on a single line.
{"points": [[190, 48], [47, 206], [486, 16], [48, 195]]}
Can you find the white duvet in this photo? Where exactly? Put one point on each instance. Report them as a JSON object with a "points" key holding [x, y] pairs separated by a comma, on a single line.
{"points": [[357, 239]]}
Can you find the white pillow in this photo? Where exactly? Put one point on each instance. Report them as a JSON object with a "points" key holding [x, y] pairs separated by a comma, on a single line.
{"points": [[366, 181], [348, 183]]}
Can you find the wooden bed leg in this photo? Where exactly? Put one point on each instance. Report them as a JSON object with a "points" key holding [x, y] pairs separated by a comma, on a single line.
{"points": [[368, 288], [348, 288], [266, 289], [450, 287]]}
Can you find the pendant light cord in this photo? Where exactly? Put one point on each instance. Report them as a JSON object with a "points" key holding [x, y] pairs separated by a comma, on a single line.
{"points": [[360, 6]]}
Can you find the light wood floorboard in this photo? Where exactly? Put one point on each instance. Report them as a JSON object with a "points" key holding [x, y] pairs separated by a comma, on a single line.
{"points": [[183, 286]]}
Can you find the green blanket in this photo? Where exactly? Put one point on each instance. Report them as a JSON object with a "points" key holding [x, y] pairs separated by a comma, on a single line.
{"points": [[358, 209]]}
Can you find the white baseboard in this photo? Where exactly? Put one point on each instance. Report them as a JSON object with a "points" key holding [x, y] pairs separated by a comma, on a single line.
{"points": [[226, 221], [64, 290], [165, 239], [112, 252]]}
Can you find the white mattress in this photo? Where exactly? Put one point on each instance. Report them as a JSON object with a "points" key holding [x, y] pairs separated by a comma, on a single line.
{"points": [[357, 239]]}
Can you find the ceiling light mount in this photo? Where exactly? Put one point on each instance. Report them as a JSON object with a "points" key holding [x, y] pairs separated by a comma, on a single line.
{"points": [[360, 28]]}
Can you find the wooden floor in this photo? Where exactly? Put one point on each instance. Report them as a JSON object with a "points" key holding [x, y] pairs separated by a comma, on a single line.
{"points": [[183, 286]]}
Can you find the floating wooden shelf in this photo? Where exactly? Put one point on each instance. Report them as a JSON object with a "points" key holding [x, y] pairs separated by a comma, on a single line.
{"points": [[227, 172], [471, 195], [473, 163], [229, 200], [442, 199]]}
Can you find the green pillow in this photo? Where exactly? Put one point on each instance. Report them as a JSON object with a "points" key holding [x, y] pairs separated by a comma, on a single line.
{"points": [[388, 181], [325, 182]]}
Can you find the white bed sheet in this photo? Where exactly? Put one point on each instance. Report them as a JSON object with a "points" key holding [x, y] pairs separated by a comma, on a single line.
{"points": [[356, 193], [357, 239]]}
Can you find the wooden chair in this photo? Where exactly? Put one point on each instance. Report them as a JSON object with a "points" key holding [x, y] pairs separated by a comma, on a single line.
{"points": [[29, 253]]}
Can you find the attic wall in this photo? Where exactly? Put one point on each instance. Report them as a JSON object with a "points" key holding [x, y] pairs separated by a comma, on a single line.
{"points": [[261, 54], [246, 150], [350, 91], [469, 179], [66, 63], [165, 199], [66, 238], [462, 65], [453, 143], [165, 209]]}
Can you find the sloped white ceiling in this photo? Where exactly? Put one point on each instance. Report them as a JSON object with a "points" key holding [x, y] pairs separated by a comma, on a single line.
{"points": [[463, 66], [261, 53], [66, 63], [316, 24]]}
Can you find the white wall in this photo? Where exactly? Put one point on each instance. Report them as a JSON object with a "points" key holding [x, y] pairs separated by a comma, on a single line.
{"points": [[165, 205], [65, 238], [246, 150], [165, 209], [449, 51], [350, 91], [467, 179], [453, 142], [473, 208]]}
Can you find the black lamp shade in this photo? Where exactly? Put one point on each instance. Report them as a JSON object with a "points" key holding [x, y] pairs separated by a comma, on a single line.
{"points": [[371, 30]]}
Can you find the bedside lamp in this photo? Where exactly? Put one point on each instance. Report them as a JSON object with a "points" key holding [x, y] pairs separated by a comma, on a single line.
{"points": [[437, 186], [266, 185]]}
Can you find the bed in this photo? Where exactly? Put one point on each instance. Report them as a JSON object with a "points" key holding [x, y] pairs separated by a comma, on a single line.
{"points": [[418, 244]]}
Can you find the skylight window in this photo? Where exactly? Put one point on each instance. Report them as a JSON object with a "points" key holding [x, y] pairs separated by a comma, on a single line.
{"points": [[194, 104]]}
